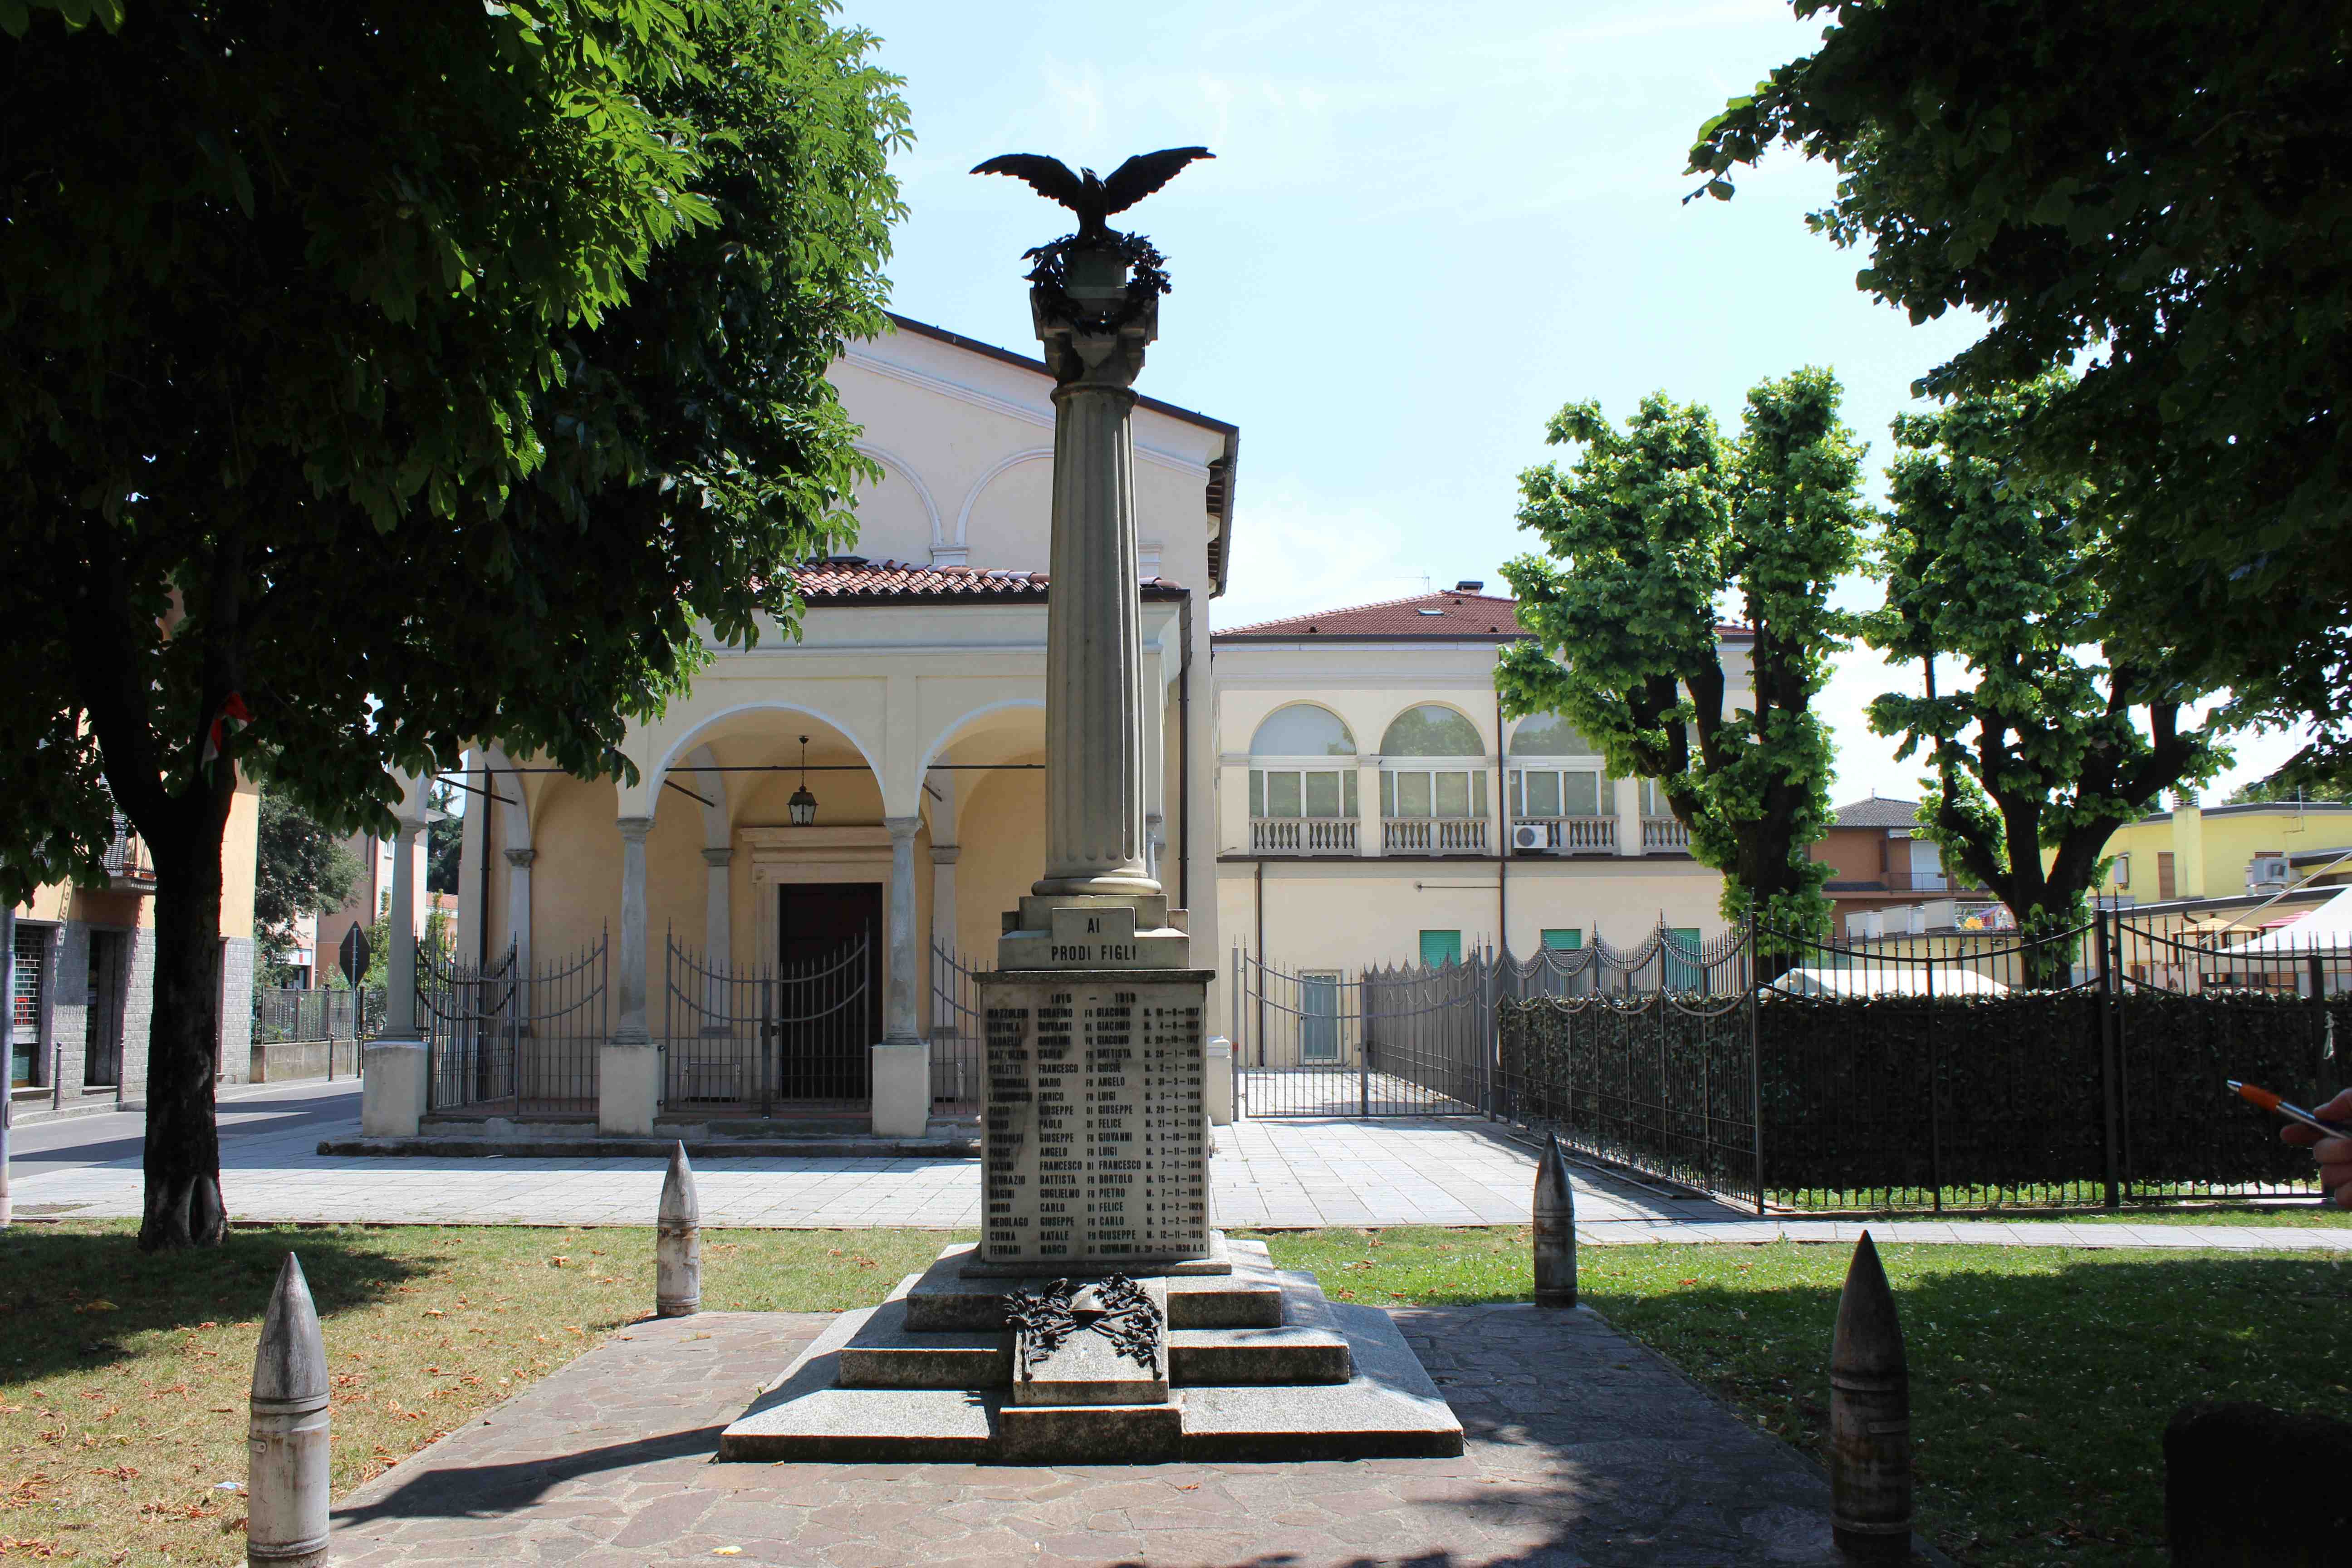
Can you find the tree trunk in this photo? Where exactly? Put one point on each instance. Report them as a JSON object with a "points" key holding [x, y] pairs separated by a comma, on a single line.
{"points": [[183, 1147]]}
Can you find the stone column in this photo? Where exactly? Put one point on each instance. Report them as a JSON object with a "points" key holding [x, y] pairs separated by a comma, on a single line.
{"points": [[902, 1058], [718, 927], [1094, 677], [1368, 807], [1629, 815], [518, 863], [628, 1068], [943, 896], [395, 1065]]}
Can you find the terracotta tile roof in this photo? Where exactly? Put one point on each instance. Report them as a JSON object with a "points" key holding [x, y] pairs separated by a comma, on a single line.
{"points": [[1453, 616], [851, 580], [1877, 813]]}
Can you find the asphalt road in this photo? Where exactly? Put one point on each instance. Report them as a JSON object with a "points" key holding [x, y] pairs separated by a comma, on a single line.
{"points": [[77, 1140]]}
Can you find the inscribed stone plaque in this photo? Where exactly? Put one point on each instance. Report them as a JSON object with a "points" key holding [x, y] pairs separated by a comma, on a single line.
{"points": [[1094, 1147]]}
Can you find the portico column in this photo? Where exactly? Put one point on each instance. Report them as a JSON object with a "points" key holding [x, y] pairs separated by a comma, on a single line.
{"points": [[519, 862], [944, 898], [902, 1058], [718, 907], [628, 1068], [395, 1067]]}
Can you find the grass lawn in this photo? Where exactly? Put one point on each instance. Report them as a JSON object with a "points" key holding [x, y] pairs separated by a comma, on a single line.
{"points": [[123, 1379], [2041, 1378]]}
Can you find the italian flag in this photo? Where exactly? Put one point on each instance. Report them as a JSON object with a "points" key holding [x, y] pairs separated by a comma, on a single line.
{"points": [[232, 717]]}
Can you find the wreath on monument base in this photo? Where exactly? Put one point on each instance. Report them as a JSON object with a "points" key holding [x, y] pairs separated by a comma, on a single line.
{"points": [[1146, 279]]}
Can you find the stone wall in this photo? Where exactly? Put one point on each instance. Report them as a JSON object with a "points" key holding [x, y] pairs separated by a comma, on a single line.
{"points": [[237, 1009]]}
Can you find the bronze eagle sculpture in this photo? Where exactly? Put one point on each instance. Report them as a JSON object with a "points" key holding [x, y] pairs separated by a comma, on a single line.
{"points": [[1087, 193]]}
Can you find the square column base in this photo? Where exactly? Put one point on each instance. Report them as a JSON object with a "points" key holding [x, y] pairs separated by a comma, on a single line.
{"points": [[901, 1078], [628, 1088], [392, 1088]]}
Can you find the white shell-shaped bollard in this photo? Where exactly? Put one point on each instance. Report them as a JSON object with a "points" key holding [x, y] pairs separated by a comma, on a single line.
{"points": [[286, 1476], [677, 1243], [1555, 1226]]}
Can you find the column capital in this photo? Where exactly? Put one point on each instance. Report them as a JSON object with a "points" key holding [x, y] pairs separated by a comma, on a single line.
{"points": [[521, 858], [634, 828], [903, 827], [406, 831], [715, 856], [945, 854]]}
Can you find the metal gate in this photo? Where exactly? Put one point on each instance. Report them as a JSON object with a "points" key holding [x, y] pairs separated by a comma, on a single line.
{"points": [[511, 1041], [755, 1040], [1375, 1042], [956, 1053]]}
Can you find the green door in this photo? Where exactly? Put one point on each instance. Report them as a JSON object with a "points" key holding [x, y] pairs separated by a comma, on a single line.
{"points": [[1684, 972], [1441, 947]]}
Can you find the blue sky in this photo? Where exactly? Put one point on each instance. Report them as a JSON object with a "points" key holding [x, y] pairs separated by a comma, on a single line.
{"points": [[1427, 228]]}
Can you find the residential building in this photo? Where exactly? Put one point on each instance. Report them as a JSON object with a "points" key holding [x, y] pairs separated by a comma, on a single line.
{"points": [[1878, 860], [2220, 851], [1375, 808], [369, 898], [81, 965]]}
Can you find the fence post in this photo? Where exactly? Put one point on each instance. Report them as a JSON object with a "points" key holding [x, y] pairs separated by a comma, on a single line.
{"points": [[2102, 933], [1935, 1092], [1755, 1056]]}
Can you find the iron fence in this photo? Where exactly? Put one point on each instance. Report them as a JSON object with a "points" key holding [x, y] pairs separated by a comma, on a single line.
{"points": [[285, 1015], [1643, 1056], [1372, 1042], [506, 1039], [763, 1038], [1970, 1068]]}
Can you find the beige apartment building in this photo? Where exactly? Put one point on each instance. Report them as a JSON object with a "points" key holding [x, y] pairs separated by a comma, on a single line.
{"points": [[1374, 806]]}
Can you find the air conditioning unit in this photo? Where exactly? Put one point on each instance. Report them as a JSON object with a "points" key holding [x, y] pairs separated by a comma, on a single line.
{"points": [[1531, 835], [2267, 871]]}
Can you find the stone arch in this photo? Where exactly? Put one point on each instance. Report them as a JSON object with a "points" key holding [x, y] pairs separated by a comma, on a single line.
{"points": [[979, 487], [1426, 722], [897, 465]]}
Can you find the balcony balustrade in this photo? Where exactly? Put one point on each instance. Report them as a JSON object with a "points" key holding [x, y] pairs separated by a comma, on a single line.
{"points": [[1565, 835], [1302, 835], [126, 857], [1434, 834], [1664, 834]]}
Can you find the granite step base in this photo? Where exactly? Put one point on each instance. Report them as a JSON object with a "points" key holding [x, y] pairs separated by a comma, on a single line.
{"points": [[1387, 1408], [947, 1300]]}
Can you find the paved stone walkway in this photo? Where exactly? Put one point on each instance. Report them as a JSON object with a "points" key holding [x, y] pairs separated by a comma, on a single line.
{"points": [[1275, 1173], [1583, 1449]]}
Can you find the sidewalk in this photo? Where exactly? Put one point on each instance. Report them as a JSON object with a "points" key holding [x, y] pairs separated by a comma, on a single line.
{"points": [[1267, 1174]]}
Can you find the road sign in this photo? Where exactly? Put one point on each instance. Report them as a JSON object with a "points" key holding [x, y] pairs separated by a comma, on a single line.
{"points": [[353, 955]]}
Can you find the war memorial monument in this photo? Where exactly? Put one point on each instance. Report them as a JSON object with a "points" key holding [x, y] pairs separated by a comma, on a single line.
{"points": [[1101, 1317]]}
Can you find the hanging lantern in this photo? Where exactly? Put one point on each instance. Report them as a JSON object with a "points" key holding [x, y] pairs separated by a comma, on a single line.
{"points": [[802, 807]]}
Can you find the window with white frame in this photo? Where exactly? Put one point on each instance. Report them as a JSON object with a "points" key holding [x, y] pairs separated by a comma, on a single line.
{"points": [[1284, 778], [1433, 765], [1555, 771]]}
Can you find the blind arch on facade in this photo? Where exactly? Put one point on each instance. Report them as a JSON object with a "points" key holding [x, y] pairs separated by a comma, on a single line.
{"points": [[1431, 731], [1302, 729]]}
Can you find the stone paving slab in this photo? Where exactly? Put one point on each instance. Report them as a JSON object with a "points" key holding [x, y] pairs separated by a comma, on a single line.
{"points": [[1270, 1173], [1584, 1450]]}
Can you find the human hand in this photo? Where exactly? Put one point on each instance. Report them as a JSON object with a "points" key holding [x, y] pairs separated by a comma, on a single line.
{"points": [[2334, 1154]]}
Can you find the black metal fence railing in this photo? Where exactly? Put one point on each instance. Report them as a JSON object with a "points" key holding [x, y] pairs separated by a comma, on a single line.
{"points": [[956, 1052], [759, 1038], [511, 1039], [286, 1015], [1643, 1056], [1373, 1042], [1967, 1069]]}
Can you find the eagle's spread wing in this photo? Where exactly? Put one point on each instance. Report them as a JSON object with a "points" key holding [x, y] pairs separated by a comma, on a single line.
{"points": [[1049, 177], [1146, 173]]}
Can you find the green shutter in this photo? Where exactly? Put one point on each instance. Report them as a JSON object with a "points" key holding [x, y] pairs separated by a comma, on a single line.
{"points": [[1567, 939], [1438, 947]]}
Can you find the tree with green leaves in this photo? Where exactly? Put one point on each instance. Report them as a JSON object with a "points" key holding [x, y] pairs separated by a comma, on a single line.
{"points": [[2053, 741], [299, 868], [1652, 530], [2158, 190], [375, 377], [2276, 788], [445, 840]]}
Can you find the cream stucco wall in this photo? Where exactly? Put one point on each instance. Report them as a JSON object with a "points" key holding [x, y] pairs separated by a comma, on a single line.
{"points": [[2213, 847]]}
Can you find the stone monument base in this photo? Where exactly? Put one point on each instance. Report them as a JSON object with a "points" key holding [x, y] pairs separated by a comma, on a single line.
{"points": [[1254, 1364]]}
